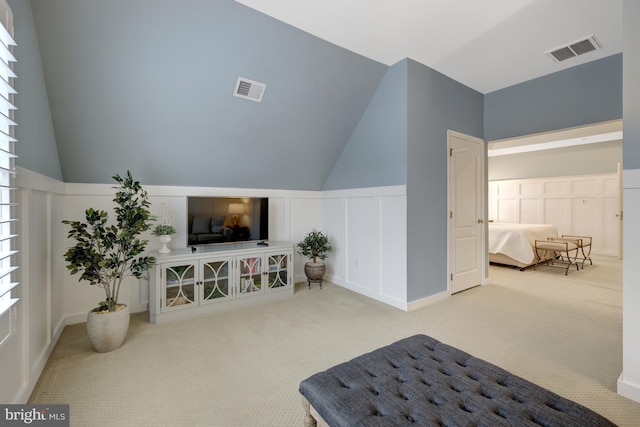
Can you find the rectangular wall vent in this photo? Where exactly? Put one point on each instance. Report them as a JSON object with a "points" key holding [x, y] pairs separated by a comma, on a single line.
{"points": [[249, 89], [573, 49]]}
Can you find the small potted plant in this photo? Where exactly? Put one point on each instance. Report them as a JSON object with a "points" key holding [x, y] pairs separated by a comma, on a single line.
{"points": [[164, 232], [316, 247]]}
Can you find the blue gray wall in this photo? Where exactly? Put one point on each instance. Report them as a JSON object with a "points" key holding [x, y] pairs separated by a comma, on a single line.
{"points": [[404, 131], [147, 85], [376, 154], [36, 147], [436, 104], [582, 95]]}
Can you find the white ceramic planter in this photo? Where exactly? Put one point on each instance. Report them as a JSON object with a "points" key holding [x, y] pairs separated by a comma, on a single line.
{"points": [[107, 331], [164, 239]]}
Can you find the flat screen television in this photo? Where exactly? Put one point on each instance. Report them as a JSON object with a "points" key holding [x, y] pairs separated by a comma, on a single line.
{"points": [[219, 220]]}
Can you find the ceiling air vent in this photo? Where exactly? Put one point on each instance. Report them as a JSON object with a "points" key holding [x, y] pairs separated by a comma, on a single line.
{"points": [[248, 89], [573, 49]]}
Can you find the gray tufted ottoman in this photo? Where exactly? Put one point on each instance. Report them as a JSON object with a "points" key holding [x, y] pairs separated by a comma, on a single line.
{"points": [[421, 381]]}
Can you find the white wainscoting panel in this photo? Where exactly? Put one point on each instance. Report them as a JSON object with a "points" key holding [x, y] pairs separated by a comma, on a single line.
{"points": [[530, 210], [278, 219], [363, 244], [393, 248], [529, 188], [37, 283], [292, 214], [368, 229], [334, 224], [507, 209], [629, 381], [306, 215], [38, 317], [559, 187], [16, 386], [556, 212], [579, 205]]}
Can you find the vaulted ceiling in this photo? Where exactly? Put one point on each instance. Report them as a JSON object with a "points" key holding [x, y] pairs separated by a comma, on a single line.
{"points": [[154, 80], [486, 45]]}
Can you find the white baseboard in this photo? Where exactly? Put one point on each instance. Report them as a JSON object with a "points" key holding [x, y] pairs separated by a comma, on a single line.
{"points": [[402, 305], [139, 308], [628, 390], [57, 331], [25, 392], [73, 319], [394, 302], [427, 301]]}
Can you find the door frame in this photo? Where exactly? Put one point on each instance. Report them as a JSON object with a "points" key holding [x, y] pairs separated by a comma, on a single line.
{"points": [[483, 255]]}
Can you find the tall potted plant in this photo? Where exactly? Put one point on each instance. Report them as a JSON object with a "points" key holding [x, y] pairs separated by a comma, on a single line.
{"points": [[106, 254], [316, 247]]}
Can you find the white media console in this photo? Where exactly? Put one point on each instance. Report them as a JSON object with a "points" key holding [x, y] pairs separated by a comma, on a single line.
{"points": [[188, 282]]}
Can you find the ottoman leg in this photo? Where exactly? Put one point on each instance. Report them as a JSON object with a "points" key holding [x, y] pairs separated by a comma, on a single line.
{"points": [[309, 421]]}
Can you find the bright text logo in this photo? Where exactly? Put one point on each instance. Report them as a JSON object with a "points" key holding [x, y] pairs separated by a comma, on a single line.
{"points": [[37, 415]]}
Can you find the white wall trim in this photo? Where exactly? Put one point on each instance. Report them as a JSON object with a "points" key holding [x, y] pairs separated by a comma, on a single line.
{"points": [[35, 181], [628, 389], [368, 228], [34, 186], [72, 319], [297, 213], [79, 189], [427, 301], [354, 287], [391, 190], [629, 381], [581, 204], [27, 390]]}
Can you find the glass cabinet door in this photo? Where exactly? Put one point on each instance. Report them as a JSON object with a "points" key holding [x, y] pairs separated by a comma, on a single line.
{"points": [[179, 285], [250, 275], [215, 281], [278, 270]]}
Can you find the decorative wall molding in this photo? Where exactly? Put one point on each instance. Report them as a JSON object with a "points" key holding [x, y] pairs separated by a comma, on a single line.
{"points": [[583, 205], [368, 226], [629, 380]]}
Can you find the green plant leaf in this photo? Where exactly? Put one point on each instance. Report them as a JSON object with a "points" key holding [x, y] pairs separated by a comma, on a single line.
{"points": [[315, 245], [105, 253]]}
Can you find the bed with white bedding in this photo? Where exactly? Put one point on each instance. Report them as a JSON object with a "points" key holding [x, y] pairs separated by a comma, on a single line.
{"points": [[512, 244]]}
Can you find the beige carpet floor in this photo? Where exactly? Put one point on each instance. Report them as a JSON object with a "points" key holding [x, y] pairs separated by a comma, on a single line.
{"points": [[242, 368]]}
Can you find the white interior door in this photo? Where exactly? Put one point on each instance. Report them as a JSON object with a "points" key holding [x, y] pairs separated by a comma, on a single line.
{"points": [[619, 215], [466, 211]]}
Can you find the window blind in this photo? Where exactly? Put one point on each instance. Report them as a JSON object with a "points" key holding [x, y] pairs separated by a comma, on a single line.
{"points": [[7, 174]]}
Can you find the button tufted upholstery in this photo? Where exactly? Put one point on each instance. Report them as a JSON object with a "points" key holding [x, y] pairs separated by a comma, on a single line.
{"points": [[421, 381]]}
